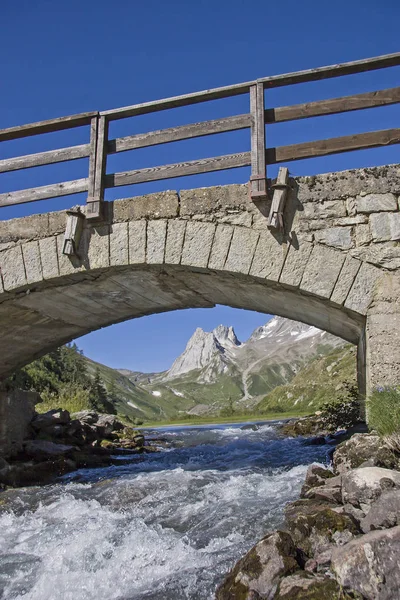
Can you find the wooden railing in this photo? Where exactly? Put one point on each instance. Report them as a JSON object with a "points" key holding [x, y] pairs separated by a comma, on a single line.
{"points": [[100, 146]]}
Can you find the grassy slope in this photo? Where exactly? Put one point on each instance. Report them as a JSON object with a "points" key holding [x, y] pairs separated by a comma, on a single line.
{"points": [[318, 382]]}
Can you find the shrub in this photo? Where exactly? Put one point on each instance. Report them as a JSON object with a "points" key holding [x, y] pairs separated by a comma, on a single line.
{"points": [[384, 410], [342, 413]]}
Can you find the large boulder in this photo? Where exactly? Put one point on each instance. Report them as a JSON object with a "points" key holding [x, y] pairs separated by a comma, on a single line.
{"points": [[384, 512], [370, 565], [317, 529], [363, 449], [42, 449], [304, 586], [315, 477], [86, 416], [257, 574], [361, 487], [106, 424], [51, 421]]}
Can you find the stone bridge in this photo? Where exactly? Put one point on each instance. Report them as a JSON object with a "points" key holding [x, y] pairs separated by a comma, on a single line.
{"points": [[336, 265]]}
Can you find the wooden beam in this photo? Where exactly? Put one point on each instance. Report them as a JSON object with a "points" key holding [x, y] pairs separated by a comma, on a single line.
{"points": [[275, 219], [349, 68], [332, 106], [21, 131], [358, 66], [348, 143], [258, 181], [194, 167], [44, 158], [175, 134], [44, 192], [92, 157], [95, 203]]}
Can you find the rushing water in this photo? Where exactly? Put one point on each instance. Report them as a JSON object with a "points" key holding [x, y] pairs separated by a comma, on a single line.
{"points": [[166, 526]]}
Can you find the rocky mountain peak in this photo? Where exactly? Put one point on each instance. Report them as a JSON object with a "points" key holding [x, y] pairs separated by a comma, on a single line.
{"points": [[226, 336], [281, 327]]}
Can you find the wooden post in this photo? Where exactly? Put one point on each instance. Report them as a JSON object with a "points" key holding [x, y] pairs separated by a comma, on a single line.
{"points": [[97, 167], [275, 219], [258, 178]]}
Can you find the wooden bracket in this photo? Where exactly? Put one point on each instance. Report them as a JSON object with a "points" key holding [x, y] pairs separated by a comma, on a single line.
{"points": [[275, 219], [73, 231]]}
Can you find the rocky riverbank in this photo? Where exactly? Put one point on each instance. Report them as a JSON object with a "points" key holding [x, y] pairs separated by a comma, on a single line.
{"points": [[58, 443], [340, 540]]}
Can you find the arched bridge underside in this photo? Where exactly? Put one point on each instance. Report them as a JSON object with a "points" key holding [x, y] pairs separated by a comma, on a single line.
{"points": [[336, 266]]}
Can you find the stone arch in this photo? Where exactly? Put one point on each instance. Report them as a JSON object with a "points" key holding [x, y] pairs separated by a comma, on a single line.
{"points": [[203, 247]]}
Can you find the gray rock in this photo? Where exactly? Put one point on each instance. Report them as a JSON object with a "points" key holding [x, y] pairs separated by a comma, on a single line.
{"points": [[50, 418], [362, 447], [41, 449], [370, 565], [303, 585], [86, 416], [257, 574], [384, 513], [107, 424], [371, 203], [363, 486], [326, 493], [315, 477]]}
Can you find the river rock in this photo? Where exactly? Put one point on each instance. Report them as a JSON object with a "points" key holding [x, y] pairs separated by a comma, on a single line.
{"points": [[361, 487], [257, 574], [384, 513], [315, 531], [107, 424], [370, 565], [363, 449], [42, 449], [315, 476], [326, 493], [86, 416], [304, 586], [49, 419]]}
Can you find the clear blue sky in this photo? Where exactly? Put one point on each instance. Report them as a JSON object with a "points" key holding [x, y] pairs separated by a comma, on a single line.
{"points": [[60, 58]]}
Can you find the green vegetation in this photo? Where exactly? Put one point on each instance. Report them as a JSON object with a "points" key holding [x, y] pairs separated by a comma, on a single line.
{"points": [[344, 412], [241, 417], [61, 379], [384, 411], [319, 382]]}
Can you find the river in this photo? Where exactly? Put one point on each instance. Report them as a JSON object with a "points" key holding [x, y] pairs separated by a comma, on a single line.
{"points": [[166, 526]]}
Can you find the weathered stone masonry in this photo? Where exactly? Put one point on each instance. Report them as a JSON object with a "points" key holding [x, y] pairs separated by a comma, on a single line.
{"points": [[337, 265]]}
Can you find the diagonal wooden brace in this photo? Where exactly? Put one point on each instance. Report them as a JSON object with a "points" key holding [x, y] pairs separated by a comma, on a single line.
{"points": [[275, 219]]}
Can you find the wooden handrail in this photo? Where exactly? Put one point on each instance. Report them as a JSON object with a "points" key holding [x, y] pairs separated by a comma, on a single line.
{"points": [[100, 146]]}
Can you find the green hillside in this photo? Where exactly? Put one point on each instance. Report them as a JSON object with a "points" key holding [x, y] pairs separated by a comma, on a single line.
{"points": [[318, 382]]}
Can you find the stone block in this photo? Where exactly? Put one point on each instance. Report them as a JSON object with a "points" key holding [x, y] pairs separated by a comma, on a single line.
{"points": [[241, 251], [156, 235], [337, 237], [269, 256], [363, 235], [48, 257], [322, 270], [175, 238], [220, 248], [57, 222], [212, 199], [119, 244], [324, 210], [98, 247], [137, 242], [362, 290], [376, 203], [25, 228], [380, 227], [295, 263], [345, 280], [197, 246], [33, 267], [12, 268], [346, 184], [67, 264], [161, 205], [354, 220]]}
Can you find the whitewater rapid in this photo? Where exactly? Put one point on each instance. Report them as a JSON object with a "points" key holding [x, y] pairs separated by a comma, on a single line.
{"points": [[166, 526]]}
